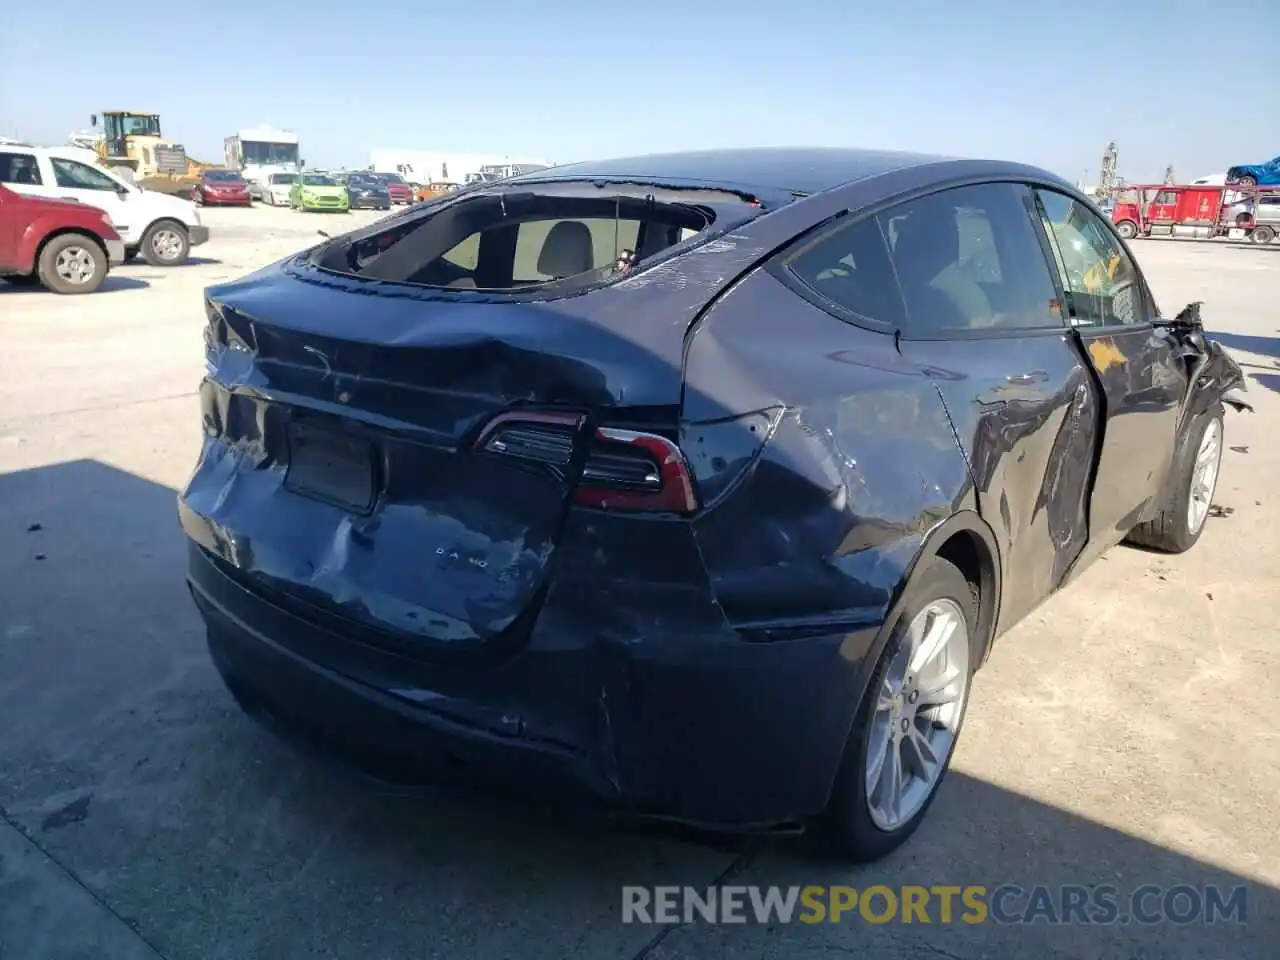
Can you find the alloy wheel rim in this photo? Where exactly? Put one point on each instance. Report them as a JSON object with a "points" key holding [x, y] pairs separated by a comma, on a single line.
{"points": [[918, 710], [167, 245], [74, 265], [1204, 477]]}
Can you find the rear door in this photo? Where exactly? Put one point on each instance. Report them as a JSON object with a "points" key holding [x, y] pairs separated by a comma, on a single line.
{"points": [[985, 321], [9, 220], [1142, 379]]}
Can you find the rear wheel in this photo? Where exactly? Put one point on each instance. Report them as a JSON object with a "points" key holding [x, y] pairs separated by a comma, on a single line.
{"points": [[1263, 234], [1127, 229], [72, 263], [1189, 491], [166, 244], [909, 720], [1248, 180]]}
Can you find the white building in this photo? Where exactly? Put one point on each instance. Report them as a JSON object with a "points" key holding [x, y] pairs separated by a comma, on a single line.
{"points": [[430, 166]]}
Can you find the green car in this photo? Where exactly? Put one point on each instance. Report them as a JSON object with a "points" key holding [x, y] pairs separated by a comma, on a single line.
{"points": [[318, 191]]}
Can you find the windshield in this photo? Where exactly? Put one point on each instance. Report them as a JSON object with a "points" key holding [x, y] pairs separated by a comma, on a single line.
{"points": [[223, 176], [261, 153], [363, 181], [390, 178], [139, 124], [318, 180], [278, 178]]}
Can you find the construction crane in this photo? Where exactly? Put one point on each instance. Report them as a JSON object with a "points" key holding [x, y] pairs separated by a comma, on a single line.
{"points": [[1108, 180]]}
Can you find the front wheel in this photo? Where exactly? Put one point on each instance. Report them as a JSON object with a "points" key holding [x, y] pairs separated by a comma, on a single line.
{"points": [[166, 244], [909, 720], [72, 263], [1127, 229], [1189, 491]]}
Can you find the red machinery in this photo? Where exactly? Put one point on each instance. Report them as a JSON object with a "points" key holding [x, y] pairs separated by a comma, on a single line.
{"points": [[1196, 211]]}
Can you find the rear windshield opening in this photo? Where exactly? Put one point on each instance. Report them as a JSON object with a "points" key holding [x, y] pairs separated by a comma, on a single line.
{"points": [[516, 240]]}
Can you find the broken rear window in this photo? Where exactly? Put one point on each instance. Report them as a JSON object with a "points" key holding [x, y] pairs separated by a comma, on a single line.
{"points": [[526, 238]]}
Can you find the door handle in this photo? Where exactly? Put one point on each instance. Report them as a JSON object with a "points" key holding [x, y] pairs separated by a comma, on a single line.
{"points": [[1036, 376], [66, 197]]}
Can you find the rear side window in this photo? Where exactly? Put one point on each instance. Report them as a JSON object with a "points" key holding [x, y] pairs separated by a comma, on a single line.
{"points": [[969, 259], [850, 268], [20, 168]]}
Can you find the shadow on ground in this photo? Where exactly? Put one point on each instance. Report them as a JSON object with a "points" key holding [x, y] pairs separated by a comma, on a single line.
{"points": [[125, 760], [112, 283]]}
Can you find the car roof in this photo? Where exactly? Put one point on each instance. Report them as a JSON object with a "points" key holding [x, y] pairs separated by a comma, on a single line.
{"points": [[801, 170]]}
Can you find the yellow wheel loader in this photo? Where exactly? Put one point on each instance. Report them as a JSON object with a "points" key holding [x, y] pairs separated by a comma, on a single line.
{"points": [[134, 140]]}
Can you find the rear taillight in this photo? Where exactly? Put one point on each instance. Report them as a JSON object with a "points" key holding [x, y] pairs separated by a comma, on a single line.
{"points": [[627, 470], [622, 469]]}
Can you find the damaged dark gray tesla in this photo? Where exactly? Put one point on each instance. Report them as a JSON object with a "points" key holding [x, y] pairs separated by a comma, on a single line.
{"points": [[696, 485]]}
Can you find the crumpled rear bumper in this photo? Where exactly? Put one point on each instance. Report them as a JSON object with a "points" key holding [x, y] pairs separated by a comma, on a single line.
{"points": [[725, 735]]}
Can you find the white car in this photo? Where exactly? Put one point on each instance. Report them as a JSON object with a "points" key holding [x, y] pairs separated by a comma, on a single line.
{"points": [[161, 228], [275, 191]]}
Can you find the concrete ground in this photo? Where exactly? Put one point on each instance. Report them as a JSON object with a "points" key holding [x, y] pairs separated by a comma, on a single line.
{"points": [[1122, 735]]}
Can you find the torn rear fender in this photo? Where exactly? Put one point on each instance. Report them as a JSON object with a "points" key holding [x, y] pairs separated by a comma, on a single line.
{"points": [[820, 531]]}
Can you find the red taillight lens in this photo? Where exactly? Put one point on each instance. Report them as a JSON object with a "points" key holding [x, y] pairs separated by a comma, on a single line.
{"points": [[627, 470], [623, 469]]}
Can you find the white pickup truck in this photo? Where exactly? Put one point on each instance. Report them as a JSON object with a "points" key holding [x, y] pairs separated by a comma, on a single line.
{"points": [[161, 228]]}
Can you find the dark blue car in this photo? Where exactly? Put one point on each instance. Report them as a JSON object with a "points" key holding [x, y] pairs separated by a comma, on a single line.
{"points": [[697, 486], [367, 192]]}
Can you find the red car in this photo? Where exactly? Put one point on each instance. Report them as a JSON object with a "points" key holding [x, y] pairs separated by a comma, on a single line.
{"points": [[222, 188], [65, 246], [398, 188]]}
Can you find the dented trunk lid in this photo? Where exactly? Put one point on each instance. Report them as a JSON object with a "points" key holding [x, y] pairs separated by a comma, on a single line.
{"points": [[340, 418]]}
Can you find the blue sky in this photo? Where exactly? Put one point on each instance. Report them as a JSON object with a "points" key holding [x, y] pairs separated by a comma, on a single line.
{"points": [[569, 79]]}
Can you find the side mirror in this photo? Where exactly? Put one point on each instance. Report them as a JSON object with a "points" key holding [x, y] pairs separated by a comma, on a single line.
{"points": [[123, 191]]}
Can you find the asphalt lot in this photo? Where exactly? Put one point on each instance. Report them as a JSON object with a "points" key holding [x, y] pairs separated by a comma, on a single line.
{"points": [[1122, 735]]}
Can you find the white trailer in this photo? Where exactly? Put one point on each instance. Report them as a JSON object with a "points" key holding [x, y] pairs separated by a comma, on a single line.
{"points": [[258, 152]]}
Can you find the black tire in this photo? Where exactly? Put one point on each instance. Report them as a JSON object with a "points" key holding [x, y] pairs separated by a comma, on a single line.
{"points": [[1170, 530], [1263, 234], [1248, 180], [1127, 229], [130, 254], [175, 242], [72, 245], [846, 828]]}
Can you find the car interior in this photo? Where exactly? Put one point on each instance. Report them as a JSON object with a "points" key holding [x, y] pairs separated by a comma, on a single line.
{"points": [[512, 241]]}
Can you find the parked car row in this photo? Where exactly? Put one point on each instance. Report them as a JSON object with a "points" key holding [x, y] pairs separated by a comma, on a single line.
{"points": [[310, 190]]}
